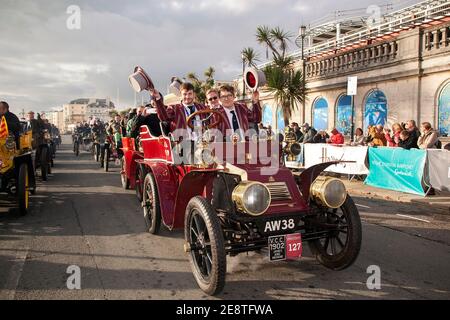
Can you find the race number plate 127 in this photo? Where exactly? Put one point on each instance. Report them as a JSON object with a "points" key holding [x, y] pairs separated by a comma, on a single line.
{"points": [[277, 248], [294, 246]]}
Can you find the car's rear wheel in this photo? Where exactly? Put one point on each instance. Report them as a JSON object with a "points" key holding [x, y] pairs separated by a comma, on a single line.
{"points": [[342, 245], [140, 176], [23, 184], [123, 175], [96, 152], [150, 202], [77, 148], [204, 238], [44, 163]]}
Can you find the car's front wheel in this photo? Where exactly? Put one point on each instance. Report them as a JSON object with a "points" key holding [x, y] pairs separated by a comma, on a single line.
{"points": [[340, 248], [123, 175], [22, 189], [204, 238]]}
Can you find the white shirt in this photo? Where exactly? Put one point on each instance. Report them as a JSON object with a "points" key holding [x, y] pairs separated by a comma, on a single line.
{"points": [[230, 118], [197, 122]]}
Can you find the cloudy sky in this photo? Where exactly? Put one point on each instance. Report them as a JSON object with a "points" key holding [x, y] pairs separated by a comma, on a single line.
{"points": [[43, 64]]}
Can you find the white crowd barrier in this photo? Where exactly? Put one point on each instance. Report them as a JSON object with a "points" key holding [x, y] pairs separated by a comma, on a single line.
{"points": [[319, 153]]}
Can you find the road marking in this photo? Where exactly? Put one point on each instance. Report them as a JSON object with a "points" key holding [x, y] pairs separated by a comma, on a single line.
{"points": [[15, 274], [360, 205], [401, 215]]}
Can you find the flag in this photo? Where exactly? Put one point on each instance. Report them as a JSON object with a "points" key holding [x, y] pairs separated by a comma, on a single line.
{"points": [[3, 128]]}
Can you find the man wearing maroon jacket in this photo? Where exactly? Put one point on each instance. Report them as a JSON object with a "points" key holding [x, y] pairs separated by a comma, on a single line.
{"points": [[237, 115], [176, 115]]}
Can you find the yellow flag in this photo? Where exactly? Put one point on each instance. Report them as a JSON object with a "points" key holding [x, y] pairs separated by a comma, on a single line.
{"points": [[3, 129]]}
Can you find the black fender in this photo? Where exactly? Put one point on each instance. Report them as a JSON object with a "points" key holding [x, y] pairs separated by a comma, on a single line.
{"points": [[308, 176]]}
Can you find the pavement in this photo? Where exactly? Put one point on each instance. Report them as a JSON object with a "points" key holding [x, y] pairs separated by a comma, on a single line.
{"points": [[82, 217], [439, 201]]}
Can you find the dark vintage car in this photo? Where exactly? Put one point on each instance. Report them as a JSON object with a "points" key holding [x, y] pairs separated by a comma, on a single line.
{"points": [[231, 207], [16, 168]]}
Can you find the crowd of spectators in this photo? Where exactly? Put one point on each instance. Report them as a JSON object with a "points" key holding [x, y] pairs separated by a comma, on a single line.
{"points": [[400, 135]]}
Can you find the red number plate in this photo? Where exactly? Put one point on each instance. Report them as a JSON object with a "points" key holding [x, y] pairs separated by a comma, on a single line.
{"points": [[294, 246]]}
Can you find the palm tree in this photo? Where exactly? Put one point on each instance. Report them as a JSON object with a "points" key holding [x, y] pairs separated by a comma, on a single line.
{"points": [[250, 57], [287, 88], [287, 85], [209, 74], [192, 77], [263, 36], [202, 86]]}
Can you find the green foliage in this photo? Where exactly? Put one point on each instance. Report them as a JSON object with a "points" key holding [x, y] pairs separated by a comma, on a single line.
{"points": [[202, 86], [250, 57], [287, 86]]}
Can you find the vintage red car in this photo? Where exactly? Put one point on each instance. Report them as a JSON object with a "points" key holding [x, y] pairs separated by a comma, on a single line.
{"points": [[132, 172], [231, 207]]}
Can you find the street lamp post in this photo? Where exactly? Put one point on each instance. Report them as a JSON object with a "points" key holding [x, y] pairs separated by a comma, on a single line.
{"points": [[302, 33], [243, 75]]}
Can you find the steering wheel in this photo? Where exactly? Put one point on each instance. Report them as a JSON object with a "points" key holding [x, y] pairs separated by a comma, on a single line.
{"points": [[220, 119]]}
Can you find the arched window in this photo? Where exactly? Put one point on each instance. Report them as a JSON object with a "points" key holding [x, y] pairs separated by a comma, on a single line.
{"points": [[280, 119], [344, 114], [267, 115], [320, 114], [444, 111], [375, 109]]}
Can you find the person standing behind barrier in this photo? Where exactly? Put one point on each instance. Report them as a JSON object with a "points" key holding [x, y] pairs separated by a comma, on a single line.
{"points": [[358, 140], [389, 138], [407, 141], [429, 138], [308, 133], [321, 137], [396, 130], [414, 132], [336, 137], [377, 136]]}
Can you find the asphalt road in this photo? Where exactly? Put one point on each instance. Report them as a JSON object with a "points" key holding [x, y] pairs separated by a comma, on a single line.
{"points": [[83, 217]]}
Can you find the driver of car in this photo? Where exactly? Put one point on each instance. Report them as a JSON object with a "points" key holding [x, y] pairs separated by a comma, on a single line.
{"points": [[177, 115], [11, 120]]}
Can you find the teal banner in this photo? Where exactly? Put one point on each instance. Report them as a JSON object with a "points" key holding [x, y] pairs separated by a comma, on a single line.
{"points": [[397, 169]]}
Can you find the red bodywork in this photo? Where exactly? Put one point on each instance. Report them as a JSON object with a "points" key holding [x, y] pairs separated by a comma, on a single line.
{"points": [[178, 184], [131, 157]]}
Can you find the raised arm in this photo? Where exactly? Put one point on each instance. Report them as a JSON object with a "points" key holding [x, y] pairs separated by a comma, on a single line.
{"points": [[255, 115], [165, 113]]}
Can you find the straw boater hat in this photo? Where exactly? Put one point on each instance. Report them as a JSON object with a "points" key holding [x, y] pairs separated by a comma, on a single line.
{"points": [[140, 80]]}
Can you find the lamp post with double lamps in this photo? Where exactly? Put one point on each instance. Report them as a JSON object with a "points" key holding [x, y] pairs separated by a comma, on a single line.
{"points": [[302, 34], [243, 75]]}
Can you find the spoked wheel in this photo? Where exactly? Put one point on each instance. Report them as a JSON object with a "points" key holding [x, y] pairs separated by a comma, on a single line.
{"points": [[102, 156], [123, 175], [139, 182], [77, 148], [96, 152], [342, 245], [44, 164], [22, 189], [150, 202], [205, 243], [106, 159]]}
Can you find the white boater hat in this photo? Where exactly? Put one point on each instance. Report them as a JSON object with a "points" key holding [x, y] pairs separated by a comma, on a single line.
{"points": [[254, 78], [175, 85], [140, 80]]}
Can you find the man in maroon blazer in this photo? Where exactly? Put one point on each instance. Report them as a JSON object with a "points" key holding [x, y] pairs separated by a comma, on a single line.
{"points": [[177, 114], [237, 115]]}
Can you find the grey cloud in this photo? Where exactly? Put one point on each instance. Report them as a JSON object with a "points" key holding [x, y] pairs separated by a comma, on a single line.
{"points": [[39, 56]]}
